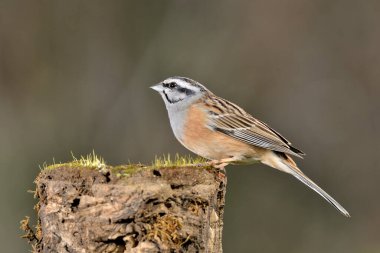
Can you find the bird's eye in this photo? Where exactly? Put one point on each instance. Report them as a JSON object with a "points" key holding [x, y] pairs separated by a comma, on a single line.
{"points": [[172, 85]]}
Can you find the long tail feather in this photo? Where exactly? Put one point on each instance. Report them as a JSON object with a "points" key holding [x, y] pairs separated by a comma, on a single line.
{"points": [[307, 181], [287, 165]]}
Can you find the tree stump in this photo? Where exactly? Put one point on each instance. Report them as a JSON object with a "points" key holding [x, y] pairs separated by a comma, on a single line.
{"points": [[130, 209]]}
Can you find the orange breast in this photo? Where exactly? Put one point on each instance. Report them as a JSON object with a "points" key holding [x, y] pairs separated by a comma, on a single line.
{"points": [[211, 144]]}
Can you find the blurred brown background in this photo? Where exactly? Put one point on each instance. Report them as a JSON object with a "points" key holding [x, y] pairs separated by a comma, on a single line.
{"points": [[74, 76]]}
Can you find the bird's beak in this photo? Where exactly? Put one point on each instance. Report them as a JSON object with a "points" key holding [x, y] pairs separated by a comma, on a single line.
{"points": [[158, 87]]}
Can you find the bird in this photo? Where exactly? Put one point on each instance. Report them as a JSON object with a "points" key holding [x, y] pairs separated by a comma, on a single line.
{"points": [[222, 132]]}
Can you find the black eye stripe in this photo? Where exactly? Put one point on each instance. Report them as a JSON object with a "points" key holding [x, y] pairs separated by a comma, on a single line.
{"points": [[174, 86], [187, 91]]}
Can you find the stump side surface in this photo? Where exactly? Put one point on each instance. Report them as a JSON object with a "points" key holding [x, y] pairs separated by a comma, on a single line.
{"points": [[151, 210]]}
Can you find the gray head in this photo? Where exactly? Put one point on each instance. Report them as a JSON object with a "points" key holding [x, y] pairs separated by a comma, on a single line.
{"points": [[179, 91]]}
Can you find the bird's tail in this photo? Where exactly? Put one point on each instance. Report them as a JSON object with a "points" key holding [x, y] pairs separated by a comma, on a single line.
{"points": [[284, 163]]}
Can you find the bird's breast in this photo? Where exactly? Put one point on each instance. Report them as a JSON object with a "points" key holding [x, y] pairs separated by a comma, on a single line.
{"points": [[198, 137]]}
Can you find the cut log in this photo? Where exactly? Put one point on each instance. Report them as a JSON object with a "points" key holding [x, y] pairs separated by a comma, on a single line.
{"points": [[130, 209]]}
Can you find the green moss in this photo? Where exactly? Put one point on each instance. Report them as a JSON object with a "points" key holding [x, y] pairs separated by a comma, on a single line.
{"points": [[90, 161], [178, 161], [94, 161], [126, 170]]}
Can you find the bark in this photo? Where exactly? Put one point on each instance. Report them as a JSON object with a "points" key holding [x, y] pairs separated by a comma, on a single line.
{"points": [[119, 209]]}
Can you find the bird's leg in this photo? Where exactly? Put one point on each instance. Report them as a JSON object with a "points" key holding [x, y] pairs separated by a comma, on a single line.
{"points": [[219, 165], [222, 162]]}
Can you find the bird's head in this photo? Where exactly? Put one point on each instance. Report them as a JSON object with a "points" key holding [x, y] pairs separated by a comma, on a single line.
{"points": [[177, 91]]}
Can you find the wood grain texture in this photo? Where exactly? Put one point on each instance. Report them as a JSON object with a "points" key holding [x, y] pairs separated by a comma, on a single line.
{"points": [[150, 210]]}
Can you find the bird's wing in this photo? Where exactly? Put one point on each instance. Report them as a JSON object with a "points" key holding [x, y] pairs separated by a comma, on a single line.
{"points": [[233, 121]]}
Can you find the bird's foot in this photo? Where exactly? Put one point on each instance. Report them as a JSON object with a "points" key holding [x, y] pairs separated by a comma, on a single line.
{"points": [[219, 165], [214, 163]]}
